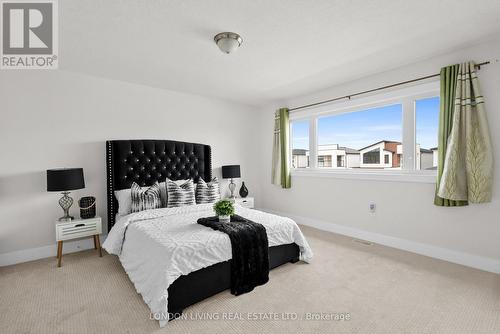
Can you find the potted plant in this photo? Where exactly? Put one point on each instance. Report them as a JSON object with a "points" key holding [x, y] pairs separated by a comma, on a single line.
{"points": [[224, 209]]}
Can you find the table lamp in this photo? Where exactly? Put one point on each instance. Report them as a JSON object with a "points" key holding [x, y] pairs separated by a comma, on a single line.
{"points": [[231, 172], [64, 180]]}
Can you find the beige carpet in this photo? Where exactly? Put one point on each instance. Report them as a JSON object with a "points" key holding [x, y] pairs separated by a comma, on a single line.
{"points": [[382, 289]]}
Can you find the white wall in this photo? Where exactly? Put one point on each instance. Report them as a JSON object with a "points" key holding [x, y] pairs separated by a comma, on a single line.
{"points": [[59, 119], [404, 210]]}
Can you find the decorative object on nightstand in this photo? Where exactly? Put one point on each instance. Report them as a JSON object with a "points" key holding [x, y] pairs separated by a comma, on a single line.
{"points": [[224, 209], [63, 180], [231, 172], [78, 228], [247, 202], [87, 207], [243, 190]]}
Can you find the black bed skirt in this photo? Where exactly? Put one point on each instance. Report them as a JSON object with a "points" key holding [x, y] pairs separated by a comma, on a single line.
{"points": [[201, 284]]}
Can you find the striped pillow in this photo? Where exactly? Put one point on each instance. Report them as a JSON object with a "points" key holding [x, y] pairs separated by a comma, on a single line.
{"points": [[163, 190], [180, 195], [207, 192], [145, 199]]}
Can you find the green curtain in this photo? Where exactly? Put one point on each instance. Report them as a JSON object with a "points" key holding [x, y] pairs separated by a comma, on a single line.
{"points": [[468, 164], [449, 77], [281, 149], [465, 166]]}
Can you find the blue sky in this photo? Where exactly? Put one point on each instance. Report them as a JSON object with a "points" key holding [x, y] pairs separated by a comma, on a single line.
{"points": [[363, 128], [427, 122]]}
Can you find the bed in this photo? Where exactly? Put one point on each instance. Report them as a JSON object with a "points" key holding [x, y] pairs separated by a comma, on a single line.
{"points": [[172, 261]]}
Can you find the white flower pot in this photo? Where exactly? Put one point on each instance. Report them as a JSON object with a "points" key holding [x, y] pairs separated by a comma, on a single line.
{"points": [[225, 219]]}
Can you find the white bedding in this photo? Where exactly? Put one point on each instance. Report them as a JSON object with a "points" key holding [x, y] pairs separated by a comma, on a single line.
{"points": [[157, 246]]}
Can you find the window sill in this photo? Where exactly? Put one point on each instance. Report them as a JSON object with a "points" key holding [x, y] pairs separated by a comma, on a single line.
{"points": [[372, 175]]}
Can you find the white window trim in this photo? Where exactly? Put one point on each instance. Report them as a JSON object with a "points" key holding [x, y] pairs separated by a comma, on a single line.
{"points": [[371, 175], [404, 96]]}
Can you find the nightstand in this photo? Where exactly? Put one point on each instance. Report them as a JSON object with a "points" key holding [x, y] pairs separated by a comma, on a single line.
{"points": [[78, 228], [247, 202]]}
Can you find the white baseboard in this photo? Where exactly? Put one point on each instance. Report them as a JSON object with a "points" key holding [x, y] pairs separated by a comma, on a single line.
{"points": [[466, 259], [31, 254]]}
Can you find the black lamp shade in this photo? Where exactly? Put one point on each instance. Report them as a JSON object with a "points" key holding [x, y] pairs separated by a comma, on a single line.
{"points": [[231, 172], [65, 179]]}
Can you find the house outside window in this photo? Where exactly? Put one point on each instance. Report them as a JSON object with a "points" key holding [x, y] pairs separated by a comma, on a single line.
{"points": [[386, 151], [337, 157], [300, 158], [355, 134]]}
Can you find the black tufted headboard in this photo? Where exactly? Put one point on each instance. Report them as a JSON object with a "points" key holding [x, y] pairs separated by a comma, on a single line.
{"points": [[148, 161]]}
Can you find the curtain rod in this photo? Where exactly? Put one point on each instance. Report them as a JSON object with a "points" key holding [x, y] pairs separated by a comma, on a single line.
{"points": [[478, 66]]}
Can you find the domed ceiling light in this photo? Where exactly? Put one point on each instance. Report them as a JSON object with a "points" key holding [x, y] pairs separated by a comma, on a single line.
{"points": [[228, 41]]}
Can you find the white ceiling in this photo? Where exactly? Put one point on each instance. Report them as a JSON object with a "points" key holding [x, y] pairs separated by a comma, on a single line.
{"points": [[290, 47]]}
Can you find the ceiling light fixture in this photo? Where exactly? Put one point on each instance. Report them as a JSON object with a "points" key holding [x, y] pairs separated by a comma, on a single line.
{"points": [[228, 41]]}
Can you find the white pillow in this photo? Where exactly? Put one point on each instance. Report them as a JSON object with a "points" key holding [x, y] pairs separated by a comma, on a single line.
{"points": [[124, 197]]}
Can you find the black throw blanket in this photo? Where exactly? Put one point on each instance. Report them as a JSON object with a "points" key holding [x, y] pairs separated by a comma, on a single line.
{"points": [[250, 263]]}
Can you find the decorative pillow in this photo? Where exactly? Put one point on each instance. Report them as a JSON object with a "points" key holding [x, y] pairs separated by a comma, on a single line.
{"points": [[207, 192], [180, 195], [124, 197], [145, 199], [124, 201], [163, 190]]}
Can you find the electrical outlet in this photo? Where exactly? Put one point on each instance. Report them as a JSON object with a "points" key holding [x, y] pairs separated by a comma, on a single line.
{"points": [[373, 207]]}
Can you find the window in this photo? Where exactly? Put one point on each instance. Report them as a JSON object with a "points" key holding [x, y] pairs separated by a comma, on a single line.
{"points": [[324, 161], [391, 131], [372, 157], [300, 143], [426, 133], [340, 160], [366, 135]]}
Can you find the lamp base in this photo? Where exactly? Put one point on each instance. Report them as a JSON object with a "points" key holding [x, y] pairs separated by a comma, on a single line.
{"points": [[66, 202], [232, 187], [66, 219]]}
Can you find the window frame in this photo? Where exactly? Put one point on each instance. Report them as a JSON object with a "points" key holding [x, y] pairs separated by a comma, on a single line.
{"points": [[407, 98]]}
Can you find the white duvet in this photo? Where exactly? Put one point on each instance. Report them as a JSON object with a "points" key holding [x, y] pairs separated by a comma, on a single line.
{"points": [[156, 247]]}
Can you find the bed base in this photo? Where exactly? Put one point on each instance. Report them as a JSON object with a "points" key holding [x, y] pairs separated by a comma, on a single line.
{"points": [[201, 284]]}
